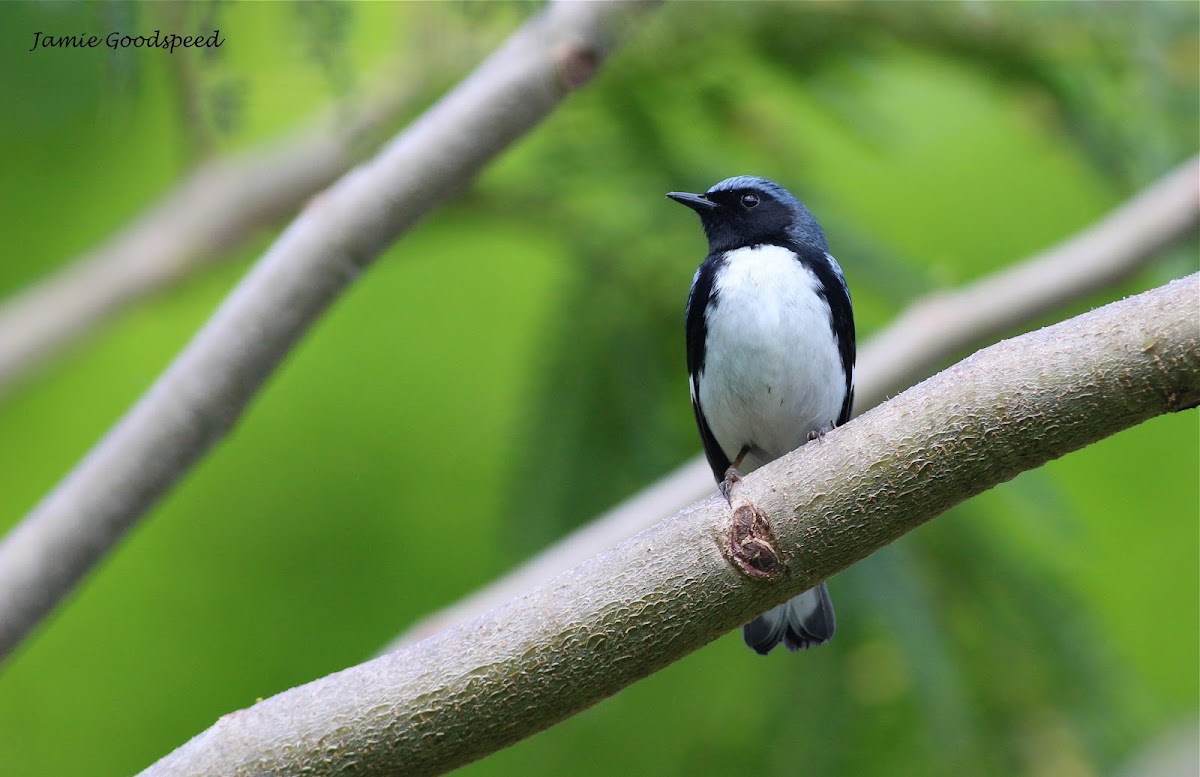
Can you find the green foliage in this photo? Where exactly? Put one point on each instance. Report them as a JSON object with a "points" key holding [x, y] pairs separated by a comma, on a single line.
{"points": [[515, 365]]}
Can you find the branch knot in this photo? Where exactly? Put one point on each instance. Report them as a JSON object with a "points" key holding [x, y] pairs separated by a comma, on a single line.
{"points": [[576, 62], [752, 544]]}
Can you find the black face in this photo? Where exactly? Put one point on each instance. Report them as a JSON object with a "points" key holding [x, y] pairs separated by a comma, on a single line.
{"points": [[735, 218]]}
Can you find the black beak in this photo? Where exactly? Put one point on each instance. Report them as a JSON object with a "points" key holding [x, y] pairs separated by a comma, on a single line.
{"points": [[697, 202]]}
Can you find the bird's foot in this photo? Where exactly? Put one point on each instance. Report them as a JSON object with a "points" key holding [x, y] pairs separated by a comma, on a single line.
{"points": [[726, 486], [819, 434]]}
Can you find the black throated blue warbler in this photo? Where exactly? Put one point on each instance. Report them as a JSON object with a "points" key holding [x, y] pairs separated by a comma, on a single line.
{"points": [[770, 355]]}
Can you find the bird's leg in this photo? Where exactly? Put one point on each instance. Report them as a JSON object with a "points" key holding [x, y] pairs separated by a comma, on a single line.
{"points": [[819, 434], [732, 475]]}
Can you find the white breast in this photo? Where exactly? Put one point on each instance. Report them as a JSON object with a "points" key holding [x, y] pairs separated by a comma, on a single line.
{"points": [[772, 371]]}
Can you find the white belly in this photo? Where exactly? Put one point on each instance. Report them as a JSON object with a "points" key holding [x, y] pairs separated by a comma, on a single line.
{"points": [[772, 371]]}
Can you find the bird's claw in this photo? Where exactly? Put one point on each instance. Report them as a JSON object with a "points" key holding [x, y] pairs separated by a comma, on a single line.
{"points": [[726, 486], [819, 434]]}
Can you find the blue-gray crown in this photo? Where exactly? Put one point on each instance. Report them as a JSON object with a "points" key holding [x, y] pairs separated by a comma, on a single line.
{"points": [[804, 227]]}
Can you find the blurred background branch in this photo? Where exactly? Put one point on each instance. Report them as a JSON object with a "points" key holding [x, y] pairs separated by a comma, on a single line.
{"points": [[932, 331], [218, 207], [486, 684], [947, 323], [199, 397]]}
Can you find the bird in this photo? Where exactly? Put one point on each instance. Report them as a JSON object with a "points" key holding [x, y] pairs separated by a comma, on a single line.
{"points": [[770, 355]]}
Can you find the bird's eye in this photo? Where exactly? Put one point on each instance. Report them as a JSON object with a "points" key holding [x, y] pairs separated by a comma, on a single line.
{"points": [[749, 200]]}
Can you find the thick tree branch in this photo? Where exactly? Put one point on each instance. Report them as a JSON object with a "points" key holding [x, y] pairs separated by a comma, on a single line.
{"points": [[204, 391], [522, 667], [934, 330]]}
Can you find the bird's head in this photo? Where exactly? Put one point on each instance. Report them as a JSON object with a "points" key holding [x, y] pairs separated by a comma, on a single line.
{"points": [[747, 211]]}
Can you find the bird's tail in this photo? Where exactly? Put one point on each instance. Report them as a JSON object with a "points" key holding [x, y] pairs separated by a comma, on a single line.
{"points": [[802, 622]]}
